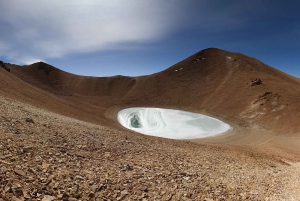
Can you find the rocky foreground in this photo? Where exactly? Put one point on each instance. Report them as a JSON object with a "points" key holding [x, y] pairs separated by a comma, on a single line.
{"points": [[45, 156]]}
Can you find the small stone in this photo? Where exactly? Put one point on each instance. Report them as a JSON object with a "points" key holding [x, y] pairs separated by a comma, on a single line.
{"points": [[2, 161], [28, 120], [25, 194], [91, 195], [48, 198], [45, 167], [79, 177], [125, 192], [80, 155], [60, 196], [7, 189], [74, 189], [20, 172], [15, 199]]}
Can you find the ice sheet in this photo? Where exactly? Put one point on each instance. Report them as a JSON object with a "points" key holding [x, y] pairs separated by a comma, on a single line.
{"points": [[173, 124]]}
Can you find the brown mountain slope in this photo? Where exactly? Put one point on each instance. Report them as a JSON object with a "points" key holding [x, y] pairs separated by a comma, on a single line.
{"points": [[230, 85], [57, 81], [226, 84], [33, 91]]}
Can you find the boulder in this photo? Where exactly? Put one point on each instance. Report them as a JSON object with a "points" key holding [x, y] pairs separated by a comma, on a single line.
{"points": [[256, 81]]}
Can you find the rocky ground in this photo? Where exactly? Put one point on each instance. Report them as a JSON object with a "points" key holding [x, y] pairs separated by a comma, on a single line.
{"points": [[45, 156]]}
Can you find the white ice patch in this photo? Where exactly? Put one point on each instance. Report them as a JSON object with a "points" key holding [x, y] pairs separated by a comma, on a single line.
{"points": [[173, 124], [179, 69]]}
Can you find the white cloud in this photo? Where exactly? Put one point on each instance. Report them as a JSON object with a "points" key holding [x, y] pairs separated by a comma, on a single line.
{"points": [[38, 30], [46, 29]]}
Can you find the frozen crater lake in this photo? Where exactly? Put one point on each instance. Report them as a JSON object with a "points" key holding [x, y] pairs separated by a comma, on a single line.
{"points": [[173, 124]]}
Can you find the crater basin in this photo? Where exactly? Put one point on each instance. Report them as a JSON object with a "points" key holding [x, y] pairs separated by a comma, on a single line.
{"points": [[168, 123]]}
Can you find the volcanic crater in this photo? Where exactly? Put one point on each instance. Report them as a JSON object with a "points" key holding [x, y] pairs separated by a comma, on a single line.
{"points": [[60, 138]]}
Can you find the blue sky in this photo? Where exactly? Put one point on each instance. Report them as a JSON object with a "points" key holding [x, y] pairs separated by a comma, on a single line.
{"points": [[117, 37]]}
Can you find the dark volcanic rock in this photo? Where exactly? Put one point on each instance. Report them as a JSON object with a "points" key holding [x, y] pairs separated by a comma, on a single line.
{"points": [[256, 81], [4, 66]]}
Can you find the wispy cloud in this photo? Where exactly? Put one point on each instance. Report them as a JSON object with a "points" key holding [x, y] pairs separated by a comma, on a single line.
{"points": [[38, 30], [47, 29]]}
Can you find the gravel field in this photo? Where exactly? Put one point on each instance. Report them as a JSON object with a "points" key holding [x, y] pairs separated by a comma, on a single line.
{"points": [[46, 156]]}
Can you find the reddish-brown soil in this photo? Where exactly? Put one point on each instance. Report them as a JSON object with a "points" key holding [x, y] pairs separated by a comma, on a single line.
{"points": [[60, 140]]}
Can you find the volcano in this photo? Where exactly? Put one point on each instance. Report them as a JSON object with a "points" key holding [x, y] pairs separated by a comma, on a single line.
{"points": [[74, 118]]}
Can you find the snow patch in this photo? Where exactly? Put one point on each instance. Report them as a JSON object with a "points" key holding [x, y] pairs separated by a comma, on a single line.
{"points": [[173, 124], [179, 69], [278, 108]]}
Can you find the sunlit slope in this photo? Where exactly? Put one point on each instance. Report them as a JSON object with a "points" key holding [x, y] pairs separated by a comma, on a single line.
{"points": [[231, 85], [57, 81], [28, 91]]}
